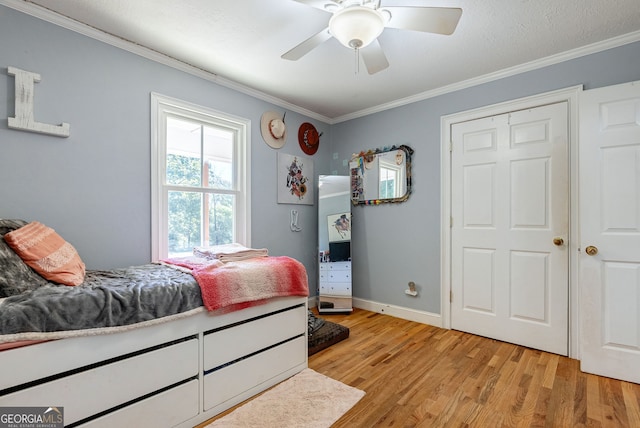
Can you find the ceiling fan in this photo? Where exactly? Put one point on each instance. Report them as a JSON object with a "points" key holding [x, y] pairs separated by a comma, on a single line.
{"points": [[357, 25]]}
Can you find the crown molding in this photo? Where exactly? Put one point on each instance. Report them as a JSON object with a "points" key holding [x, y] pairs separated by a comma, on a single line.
{"points": [[86, 30], [507, 72], [47, 15]]}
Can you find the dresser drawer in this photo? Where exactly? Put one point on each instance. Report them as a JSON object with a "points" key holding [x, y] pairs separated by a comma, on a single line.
{"points": [[340, 276], [340, 266], [336, 289], [324, 288]]}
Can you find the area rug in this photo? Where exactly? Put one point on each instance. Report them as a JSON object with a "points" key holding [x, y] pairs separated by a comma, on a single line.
{"points": [[306, 400]]}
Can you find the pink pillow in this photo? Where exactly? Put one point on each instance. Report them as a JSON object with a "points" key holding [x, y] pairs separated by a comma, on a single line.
{"points": [[47, 253]]}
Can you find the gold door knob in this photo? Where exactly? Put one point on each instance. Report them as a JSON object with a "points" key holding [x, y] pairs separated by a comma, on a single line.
{"points": [[558, 241], [591, 250]]}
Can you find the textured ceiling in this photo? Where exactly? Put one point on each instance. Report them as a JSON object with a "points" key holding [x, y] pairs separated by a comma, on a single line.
{"points": [[241, 41]]}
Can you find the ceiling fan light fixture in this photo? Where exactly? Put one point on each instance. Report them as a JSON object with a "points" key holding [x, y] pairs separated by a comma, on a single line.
{"points": [[356, 26]]}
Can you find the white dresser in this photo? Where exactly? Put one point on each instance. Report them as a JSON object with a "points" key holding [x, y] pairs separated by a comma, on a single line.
{"points": [[335, 287]]}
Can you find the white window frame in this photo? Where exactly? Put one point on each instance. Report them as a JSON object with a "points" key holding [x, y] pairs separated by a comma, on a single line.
{"points": [[163, 107], [398, 177]]}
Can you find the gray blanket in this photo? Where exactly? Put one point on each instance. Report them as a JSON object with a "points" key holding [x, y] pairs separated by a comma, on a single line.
{"points": [[107, 298]]}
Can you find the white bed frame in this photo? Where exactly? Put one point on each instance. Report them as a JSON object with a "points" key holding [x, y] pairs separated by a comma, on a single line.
{"points": [[178, 373]]}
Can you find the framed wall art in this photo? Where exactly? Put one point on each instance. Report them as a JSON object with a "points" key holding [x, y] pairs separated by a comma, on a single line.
{"points": [[339, 227], [295, 180]]}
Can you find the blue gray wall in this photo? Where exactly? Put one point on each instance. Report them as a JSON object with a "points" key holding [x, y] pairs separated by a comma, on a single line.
{"points": [[395, 244], [94, 187]]}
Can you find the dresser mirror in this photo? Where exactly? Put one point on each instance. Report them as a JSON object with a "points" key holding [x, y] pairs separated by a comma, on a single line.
{"points": [[381, 176], [334, 243]]}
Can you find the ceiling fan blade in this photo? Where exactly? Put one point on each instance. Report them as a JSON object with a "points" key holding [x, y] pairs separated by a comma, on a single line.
{"points": [[305, 47], [374, 57], [439, 20], [321, 4]]}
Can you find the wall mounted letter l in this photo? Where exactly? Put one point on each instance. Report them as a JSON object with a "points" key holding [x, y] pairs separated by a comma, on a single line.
{"points": [[23, 119]]}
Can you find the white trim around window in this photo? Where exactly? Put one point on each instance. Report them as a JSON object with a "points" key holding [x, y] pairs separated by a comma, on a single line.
{"points": [[163, 107]]}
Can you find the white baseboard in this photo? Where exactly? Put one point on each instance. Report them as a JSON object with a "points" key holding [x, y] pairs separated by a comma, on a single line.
{"points": [[399, 312]]}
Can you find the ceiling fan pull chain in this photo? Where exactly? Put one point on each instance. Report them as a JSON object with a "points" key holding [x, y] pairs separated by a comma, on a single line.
{"points": [[356, 56]]}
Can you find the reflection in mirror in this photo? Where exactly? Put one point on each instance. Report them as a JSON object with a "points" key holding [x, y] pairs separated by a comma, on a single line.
{"points": [[334, 213], [381, 176], [334, 244]]}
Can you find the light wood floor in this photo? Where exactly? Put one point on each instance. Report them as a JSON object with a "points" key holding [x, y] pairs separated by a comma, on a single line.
{"points": [[416, 375]]}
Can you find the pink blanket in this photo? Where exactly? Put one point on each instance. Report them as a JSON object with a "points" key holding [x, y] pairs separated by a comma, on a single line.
{"points": [[232, 286]]}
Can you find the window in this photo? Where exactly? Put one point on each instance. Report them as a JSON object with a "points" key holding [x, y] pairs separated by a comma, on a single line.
{"points": [[391, 178], [200, 178], [388, 183]]}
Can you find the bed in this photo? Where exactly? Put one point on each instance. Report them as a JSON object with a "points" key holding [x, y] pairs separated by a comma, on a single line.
{"points": [[139, 346]]}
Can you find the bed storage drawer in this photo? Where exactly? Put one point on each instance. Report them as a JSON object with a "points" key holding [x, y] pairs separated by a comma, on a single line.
{"points": [[114, 383], [229, 344], [246, 375], [166, 409]]}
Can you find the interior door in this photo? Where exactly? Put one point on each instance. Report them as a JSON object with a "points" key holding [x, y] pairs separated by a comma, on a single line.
{"points": [[609, 272], [509, 205]]}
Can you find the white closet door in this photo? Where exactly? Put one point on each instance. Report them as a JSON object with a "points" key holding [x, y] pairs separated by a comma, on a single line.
{"points": [[510, 211]]}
